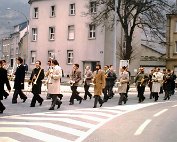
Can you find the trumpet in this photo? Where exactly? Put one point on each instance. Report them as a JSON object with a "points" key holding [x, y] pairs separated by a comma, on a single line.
{"points": [[34, 79], [142, 81]]}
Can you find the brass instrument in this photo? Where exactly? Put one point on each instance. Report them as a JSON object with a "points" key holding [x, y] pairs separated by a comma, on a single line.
{"points": [[35, 78]]}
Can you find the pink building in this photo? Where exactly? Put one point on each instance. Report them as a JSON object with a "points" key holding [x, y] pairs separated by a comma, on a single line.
{"points": [[60, 29]]}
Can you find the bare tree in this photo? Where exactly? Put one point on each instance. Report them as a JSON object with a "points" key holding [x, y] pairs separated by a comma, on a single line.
{"points": [[149, 15]]}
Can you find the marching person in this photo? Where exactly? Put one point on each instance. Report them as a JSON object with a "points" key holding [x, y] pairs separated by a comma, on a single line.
{"points": [[87, 80], [19, 81], [122, 87], [36, 78], [99, 83], [107, 85], [5, 66], [157, 79], [75, 77], [3, 80], [141, 80], [49, 63], [54, 84]]}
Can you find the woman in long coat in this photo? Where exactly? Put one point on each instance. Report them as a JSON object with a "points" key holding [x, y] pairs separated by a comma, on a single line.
{"points": [[99, 85], [54, 84], [123, 83], [3, 80]]}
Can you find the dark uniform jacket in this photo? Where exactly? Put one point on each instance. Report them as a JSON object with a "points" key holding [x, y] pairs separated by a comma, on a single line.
{"points": [[19, 77], [3, 80], [36, 88]]}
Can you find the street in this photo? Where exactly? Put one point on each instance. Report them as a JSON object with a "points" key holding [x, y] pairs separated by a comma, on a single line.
{"points": [[80, 122]]}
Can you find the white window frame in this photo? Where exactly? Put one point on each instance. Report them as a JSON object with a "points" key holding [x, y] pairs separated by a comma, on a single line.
{"points": [[34, 34], [51, 54], [175, 46], [33, 57], [70, 56], [92, 31], [71, 32], [72, 9], [93, 7], [51, 33], [36, 13], [53, 11]]}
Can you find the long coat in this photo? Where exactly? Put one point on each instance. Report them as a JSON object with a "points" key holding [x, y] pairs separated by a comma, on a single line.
{"points": [[157, 79], [76, 77], [54, 85], [3, 80], [36, 88], [19, 77], [99, 82], [124, 79]]}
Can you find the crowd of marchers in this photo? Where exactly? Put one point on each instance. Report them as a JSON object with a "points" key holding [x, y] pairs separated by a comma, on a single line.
{"points": [[103, 81]]}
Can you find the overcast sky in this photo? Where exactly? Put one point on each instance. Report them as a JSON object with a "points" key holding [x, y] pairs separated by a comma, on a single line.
{"points": [[9, 18]]}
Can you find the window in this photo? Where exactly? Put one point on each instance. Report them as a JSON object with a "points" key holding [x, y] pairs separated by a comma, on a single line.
{"points": [[34, 34], [36, 12], [71, 33], [176, 47], [70, 56], [52, 11], [72, 9], [92, 34], [33, 57], [51, 55], [51, 33], [93, 7]]}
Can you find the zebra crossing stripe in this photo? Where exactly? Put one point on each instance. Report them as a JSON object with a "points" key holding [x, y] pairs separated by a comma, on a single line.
{"points": [[66, 120], [70, 115], [47, 125], [102, 111], [86, 111], [33, 134], [6, 139]]}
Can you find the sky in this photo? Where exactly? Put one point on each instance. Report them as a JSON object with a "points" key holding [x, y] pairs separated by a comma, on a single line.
{"points": [[10, 18]]}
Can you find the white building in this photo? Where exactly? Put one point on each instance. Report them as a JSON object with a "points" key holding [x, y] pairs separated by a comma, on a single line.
{"points": [[60, 29]]}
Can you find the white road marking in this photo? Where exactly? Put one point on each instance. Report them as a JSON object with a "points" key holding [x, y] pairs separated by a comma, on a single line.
{"points": [[70, 115], [91, 111], [6, 139], [142, 127], [174, 106], [34, 134], [67, 120], [159, 113], [47, 125]]}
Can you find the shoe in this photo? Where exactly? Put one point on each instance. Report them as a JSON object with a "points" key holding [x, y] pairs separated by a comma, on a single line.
{"points": [[119, 103], [125, 101], [101, 104], [51, 108], [143, 99], [59, 104], [24, 100], [90, 97], [5, 97], [94, 107], [80, 101], [71, 103], [41, 102], [32, 105], [2, 110]]}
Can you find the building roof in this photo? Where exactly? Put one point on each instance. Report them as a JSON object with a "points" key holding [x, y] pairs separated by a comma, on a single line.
{"points": [[157, 47], [22, 26]]}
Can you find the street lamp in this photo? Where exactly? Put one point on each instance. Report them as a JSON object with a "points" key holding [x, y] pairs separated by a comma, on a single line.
{"points": [[26, 55]]}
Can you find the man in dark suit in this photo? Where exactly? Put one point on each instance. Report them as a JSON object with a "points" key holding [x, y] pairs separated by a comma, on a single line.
{"points": [[19, 81], [3, 80], [75, 77], [36, 78]]}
